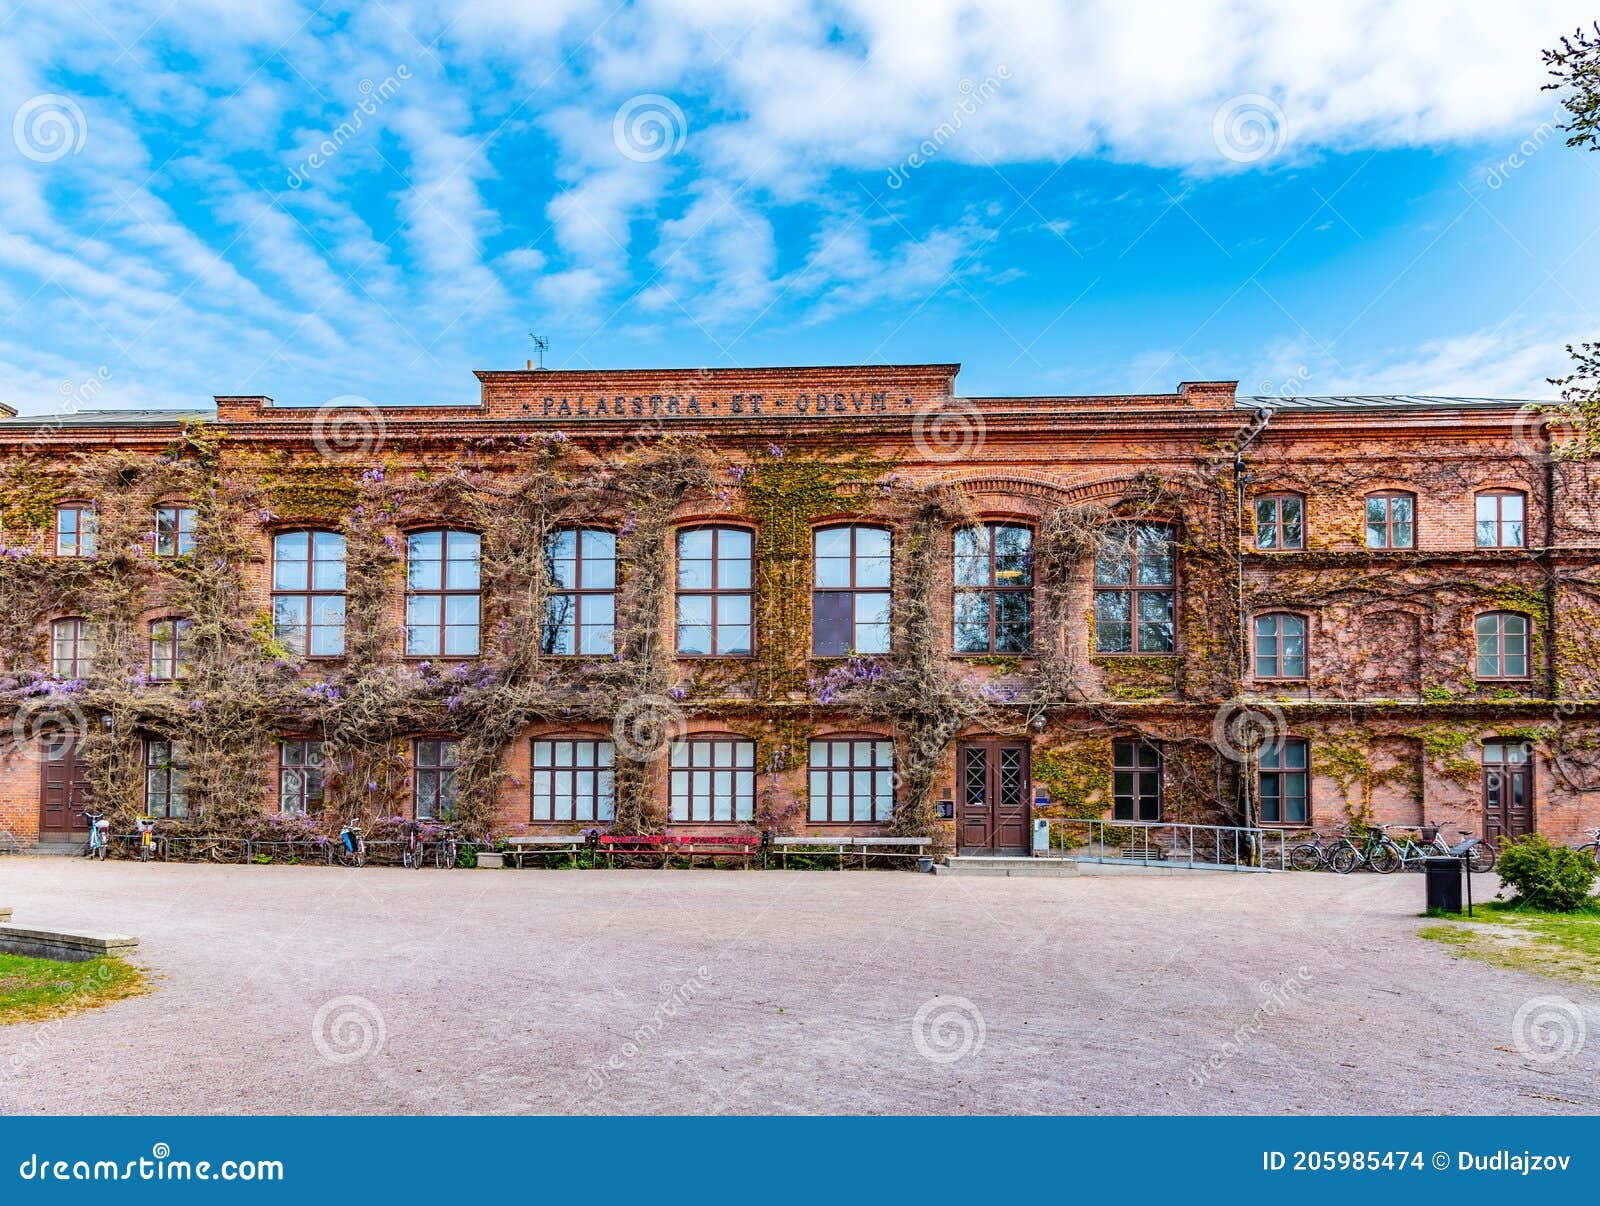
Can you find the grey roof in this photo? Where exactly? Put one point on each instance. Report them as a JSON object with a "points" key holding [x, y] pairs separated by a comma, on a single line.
{"points": [[1382, 402], [108, 418]]}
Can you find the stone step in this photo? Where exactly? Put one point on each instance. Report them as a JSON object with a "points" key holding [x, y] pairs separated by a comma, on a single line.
{"points": [[983, 864], [62, 944], [55, 848]]}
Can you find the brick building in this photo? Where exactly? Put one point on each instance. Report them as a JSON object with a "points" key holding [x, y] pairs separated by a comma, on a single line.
{"points": [[808, 600]]}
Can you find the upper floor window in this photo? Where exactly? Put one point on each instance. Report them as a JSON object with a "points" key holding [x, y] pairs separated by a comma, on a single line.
{"points": [[1502, 645], [1135, 589], [1391, 521], [994, 589], [1280, 645], [1283, 781], [166, 778], [580, 608], [174, 531], [71, 648], [850, 597], [714, 592], [1280, 521], [442, 599], [308, 580], [851, 780], [572, 779], [1500, 516], [433, 778], [1135, 781], [77, 527], [300, 776], [169, 649], [713, 779]]}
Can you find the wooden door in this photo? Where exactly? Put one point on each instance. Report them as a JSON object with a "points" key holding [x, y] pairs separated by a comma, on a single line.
{"points": [[994, 797], [1507, 791], [63, 787]]}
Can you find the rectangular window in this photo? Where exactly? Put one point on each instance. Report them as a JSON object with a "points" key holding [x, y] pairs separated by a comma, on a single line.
{"points": [[851, 780], [1280, 646], [1391, 521], [77, 528], [1500, 519], [174, 531], [1502, 645], [714, 592], [433, 778], [1134, 574], [994, 589], [166, 778], [1135, 781], [308, 601], [713, 780], [1283, 781], [169, 649], [442, 599], [1280, 521], [572, 780], [71, 648], [580, 606], [300, 776], [850, 594]]}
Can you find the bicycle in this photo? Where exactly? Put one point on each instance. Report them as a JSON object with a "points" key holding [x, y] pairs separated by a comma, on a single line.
{"points": [[1311, 855], [145, 828], [447, 849], [1414, 857], [352, 846], [1592, 846], [1377, 852], [97, 845], [1479, 852], [415, 848]]}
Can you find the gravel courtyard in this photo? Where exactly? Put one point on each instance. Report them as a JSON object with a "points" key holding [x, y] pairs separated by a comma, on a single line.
{"points": [[323, 990]]}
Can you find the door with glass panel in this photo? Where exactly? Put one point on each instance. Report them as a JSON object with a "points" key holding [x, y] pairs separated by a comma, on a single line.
{"points": [[1507, 790], [993, 786]]}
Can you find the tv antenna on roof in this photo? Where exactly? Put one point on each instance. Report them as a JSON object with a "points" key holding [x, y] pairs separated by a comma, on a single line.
{"points": [[541, 345]]}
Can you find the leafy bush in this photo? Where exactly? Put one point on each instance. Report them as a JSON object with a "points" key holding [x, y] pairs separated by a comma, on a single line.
{"points": [[1551, 878]]}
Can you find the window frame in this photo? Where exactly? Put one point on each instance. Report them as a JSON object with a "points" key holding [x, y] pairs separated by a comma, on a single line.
{"points": [[855, 589], [578, 594], [441, 772], [85, 535], [1500, 494], [179, 529], [310, 800], [310, 594], [689, 769], [1276, 498], [1280, 772], [992, 591], [1500, 655], [444, 593], [1305, 646], [1133, 589], [82, 644], [178, 670], [594, 797], [875, 771], [1388, 498], [1133, 747], [715, 591], [172, 771]]}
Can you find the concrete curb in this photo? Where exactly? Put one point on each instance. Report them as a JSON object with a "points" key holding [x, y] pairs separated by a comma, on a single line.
{"points": [[58, 944]]}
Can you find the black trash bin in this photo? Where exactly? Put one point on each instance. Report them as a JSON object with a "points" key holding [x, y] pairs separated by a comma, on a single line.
{"points": [[1444, 885]]}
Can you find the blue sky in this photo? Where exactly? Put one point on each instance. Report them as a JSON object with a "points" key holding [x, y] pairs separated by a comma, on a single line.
{"points": [[308, 202]]}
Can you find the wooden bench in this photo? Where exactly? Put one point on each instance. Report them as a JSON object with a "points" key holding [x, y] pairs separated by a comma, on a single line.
{"points": [[687, 846], [542, 845], [847, 844]]}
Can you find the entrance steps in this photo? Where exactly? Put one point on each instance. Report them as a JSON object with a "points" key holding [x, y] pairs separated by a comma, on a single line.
{"points": [[55, 846], [990, 864]]}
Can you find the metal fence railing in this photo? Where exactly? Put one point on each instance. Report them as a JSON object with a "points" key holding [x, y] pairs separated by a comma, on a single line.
{"points": [[1169, 844]]}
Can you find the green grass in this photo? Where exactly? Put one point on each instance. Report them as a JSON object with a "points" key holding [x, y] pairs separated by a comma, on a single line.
{"points": [[1565, 946], [32, 990]]}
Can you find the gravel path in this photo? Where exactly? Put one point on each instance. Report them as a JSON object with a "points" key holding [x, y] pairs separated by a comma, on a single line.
{"points": [[323, 990]]}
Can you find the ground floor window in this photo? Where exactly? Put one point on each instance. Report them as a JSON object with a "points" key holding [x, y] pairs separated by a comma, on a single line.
{"points": [[166, 778], [434, 778], [300, 776], [713, 779], [1135, 781], [572, 780], [1283, 796], [851, 780]]}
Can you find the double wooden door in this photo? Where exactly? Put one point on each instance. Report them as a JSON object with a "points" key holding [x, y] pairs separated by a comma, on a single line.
{"points": [[63, 787], [993, 796]]}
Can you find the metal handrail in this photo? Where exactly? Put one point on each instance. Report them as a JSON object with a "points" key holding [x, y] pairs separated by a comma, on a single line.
{"points": [[1222, 847]]}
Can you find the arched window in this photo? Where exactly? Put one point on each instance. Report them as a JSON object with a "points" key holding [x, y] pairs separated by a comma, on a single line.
{"points": [[572, 779], [174, 530], [308, 583], [1391, 520], [71, 647], [1280, 640], [851, 780], [714, 592], [1280, 521], [850, 593], [1501, 516], [994, 588], [1135, 589], [713, 779], [442, 600], [77, 528], [1502, 645], [580, 606], [169, 649], [1283, 781]]}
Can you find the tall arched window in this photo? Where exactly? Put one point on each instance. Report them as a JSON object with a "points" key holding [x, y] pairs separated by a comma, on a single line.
{"points": [[994, 588], [1135, 581], [1280, 641], [850, 594], [77, 530], [714, 592], [1502, 638], [443, 606], [308, 583], [175, 524], [580, 606]]}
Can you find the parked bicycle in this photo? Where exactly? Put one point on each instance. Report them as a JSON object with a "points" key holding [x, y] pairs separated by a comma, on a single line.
{"points": [[1377, 852], [1592, 846], [412, 853], [447, 849], [99, 837], [145, 836], [352, 846]]}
